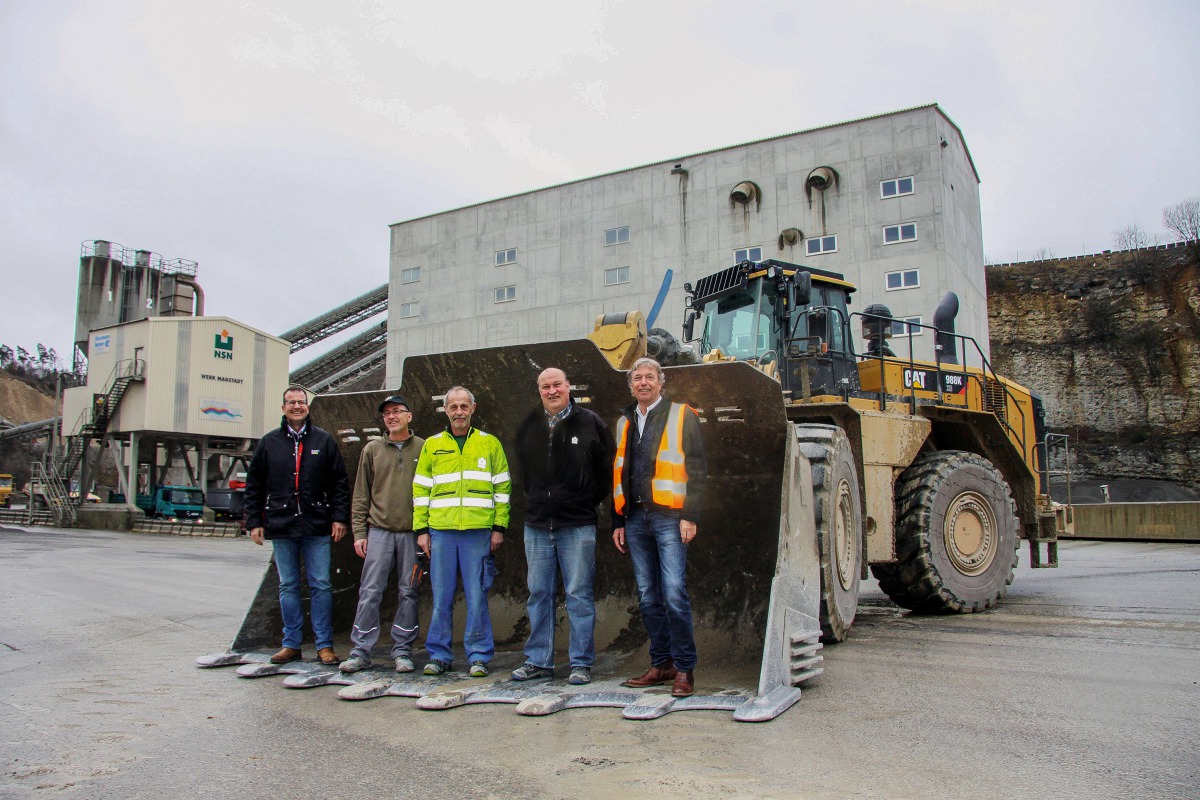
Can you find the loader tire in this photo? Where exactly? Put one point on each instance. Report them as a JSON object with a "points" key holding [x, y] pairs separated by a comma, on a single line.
{"points": [[956, 535], [837, 509]]}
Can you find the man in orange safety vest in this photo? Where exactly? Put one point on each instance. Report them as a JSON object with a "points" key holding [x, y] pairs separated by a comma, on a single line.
{"points": [[658, 483]]}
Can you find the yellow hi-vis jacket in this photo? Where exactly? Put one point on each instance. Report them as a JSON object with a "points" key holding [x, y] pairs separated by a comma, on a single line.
{"points": [[668, 487], [461, 490]]}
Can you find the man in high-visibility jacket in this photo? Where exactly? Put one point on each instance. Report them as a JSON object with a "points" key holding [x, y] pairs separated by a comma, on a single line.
{"points": [[658, 484], [460, 512]]}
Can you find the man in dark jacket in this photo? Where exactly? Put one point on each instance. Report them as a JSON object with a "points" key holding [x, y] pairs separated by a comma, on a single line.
{"points": [[298, 496], [565, 461], [659, 476]]}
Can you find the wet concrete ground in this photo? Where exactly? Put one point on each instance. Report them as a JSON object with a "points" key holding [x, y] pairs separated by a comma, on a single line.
{"points": [[1085, 683]]}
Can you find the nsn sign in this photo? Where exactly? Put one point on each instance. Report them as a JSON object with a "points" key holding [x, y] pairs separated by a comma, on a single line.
{"points": [[223, 346]]}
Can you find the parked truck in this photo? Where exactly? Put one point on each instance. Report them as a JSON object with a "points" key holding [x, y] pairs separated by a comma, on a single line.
{"points": [[173, 503], [6, 489]]}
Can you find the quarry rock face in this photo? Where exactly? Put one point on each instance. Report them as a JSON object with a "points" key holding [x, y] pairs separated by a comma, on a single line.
{"points": [[1112, 343]]}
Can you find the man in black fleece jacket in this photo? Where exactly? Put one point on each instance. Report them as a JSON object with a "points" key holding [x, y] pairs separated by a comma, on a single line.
{"points": [[565, 462]]}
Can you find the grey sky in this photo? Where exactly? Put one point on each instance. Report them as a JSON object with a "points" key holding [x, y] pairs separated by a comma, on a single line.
{"points": [[274, 142]]}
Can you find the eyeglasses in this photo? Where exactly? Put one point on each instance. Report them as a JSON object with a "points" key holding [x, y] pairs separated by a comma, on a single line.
{"points": [[296, 403], [395, 412]]}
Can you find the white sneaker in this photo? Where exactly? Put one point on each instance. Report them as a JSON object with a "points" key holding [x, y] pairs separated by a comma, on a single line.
{"points": [[354, 664], [404, 664]]}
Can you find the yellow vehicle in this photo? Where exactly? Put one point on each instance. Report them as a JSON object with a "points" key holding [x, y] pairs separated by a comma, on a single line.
{"points": [[6, 489], [823, 463]]}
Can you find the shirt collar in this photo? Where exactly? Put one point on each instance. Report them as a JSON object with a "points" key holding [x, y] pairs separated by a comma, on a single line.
{"points": [[554, 419], [638, 409]]}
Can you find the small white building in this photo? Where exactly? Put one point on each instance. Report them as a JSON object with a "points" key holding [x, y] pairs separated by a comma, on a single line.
{"points": [[890, 201], [181, 386]]}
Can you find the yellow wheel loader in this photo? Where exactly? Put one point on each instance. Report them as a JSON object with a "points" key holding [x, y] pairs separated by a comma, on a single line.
{"points": [[822, 462]]}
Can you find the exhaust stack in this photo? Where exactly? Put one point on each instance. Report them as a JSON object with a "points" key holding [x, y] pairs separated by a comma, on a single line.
{"points": [[943, 320]]}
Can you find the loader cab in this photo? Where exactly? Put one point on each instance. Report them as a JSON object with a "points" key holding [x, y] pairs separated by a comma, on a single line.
{"points": [[790, 321]]}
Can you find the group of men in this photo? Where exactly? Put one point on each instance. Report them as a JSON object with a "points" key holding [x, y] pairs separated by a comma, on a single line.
{"points": [[449, 497]]}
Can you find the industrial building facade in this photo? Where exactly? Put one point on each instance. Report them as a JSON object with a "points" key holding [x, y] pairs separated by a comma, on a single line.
{"points": [[890, 201]]}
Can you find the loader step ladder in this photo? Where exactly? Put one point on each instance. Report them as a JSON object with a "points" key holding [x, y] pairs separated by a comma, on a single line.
{"points": [[1054, 519]]}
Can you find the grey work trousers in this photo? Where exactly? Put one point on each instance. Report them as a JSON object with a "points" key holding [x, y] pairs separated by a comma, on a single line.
{"points": [[386, 549]]}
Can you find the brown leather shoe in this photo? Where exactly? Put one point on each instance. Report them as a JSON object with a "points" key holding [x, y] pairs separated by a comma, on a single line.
{"points": [[285, 655], [655, 676], [328, 657], [683, 685]]}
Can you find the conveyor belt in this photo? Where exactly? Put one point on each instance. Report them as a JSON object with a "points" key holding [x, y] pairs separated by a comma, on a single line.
{"points": [[344, 316]]}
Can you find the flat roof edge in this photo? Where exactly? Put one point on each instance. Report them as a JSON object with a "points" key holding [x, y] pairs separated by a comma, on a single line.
{"points": [[928, 106]]}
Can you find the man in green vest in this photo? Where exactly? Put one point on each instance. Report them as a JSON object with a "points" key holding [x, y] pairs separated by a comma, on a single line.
{"points": [[460, 513]]}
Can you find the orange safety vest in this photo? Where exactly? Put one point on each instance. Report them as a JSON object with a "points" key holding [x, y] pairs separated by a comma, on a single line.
{"points": [[669, 486]]}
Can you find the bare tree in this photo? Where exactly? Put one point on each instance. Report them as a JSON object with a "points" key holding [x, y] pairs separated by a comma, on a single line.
{"points": [[1043, 254], [1183, 219], [1132, 237]]}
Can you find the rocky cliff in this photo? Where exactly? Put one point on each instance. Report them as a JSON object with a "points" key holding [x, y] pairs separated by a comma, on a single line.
{"points": [[1112, 343]]}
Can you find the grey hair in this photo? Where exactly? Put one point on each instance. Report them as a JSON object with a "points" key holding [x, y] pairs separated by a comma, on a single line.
{"points": [[459, 389], [646, 361]]}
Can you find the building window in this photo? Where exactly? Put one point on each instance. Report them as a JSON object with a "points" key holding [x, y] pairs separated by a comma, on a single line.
{"points": [[900, 233], [410, 309], [616, 275], [616, 235], [903, 279], [747, 254], [895, 187], [506, 294], [906, 327], [821, 244], [508, 256], [410, 275]]}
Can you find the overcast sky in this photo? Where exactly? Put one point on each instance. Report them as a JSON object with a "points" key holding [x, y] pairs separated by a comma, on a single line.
{"points": [[274, 143]]}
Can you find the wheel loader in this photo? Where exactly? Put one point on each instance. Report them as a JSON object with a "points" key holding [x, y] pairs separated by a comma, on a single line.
{"points": [[822, 462]]}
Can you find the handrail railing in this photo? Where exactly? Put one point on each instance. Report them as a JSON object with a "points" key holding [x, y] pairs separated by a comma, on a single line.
{"points": [[1053, 440], [986, 379], [45, 482]]}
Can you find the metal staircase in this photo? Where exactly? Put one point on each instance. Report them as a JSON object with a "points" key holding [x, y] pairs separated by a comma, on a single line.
{"points": [[124, 373], [46, 484]]}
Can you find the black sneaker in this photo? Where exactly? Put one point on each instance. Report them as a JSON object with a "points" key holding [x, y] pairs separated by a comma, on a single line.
{"points": [[436, 667], [530, 672]]}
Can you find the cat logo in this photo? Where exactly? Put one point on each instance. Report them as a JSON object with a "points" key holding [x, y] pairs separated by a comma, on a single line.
{"points": [[915, 378]]}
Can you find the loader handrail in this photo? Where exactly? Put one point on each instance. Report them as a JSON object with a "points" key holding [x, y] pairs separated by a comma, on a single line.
{"points": [[991, 387]]}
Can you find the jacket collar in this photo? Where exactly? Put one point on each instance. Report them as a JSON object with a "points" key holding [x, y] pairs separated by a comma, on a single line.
{"points": [[631, 410], [287, 429]]}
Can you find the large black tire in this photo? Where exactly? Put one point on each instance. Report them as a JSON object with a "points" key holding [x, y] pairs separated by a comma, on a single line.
{"points": [[837, 509], [956, 535]]}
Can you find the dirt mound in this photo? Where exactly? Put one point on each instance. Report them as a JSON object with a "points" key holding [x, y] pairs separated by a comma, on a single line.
{"points": [[21, 403]]}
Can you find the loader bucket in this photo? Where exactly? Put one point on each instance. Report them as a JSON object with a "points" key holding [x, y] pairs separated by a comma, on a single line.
{"points": [[732, 562]]}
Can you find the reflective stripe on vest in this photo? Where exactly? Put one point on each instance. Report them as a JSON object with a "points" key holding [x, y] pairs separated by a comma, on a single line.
{"points": [[668, 488], [619, 465]]}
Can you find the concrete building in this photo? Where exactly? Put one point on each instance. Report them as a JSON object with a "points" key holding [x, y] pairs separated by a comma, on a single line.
{"points": [[169, 393], [891, 201]]}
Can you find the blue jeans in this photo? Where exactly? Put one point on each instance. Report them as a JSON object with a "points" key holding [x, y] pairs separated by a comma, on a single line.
{"points": [[659, 562], [574, 551], [313, 552], [452, 553]]}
